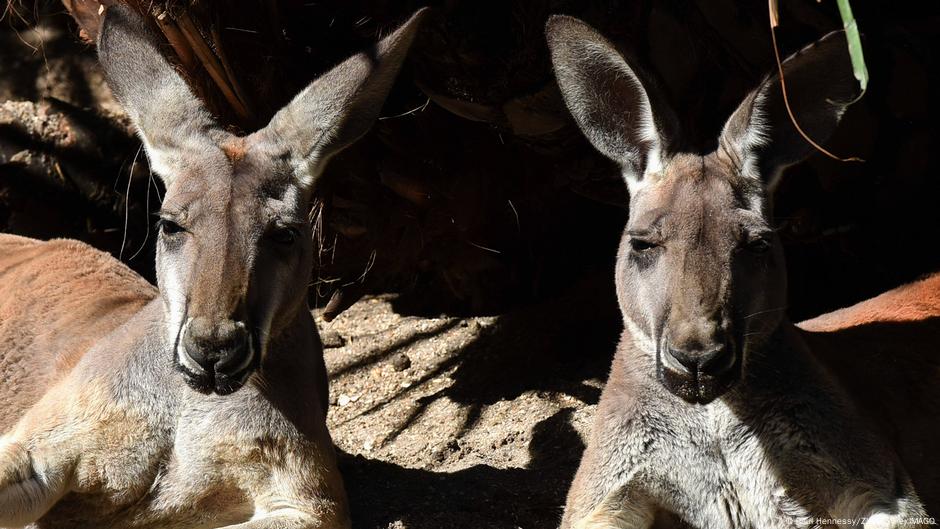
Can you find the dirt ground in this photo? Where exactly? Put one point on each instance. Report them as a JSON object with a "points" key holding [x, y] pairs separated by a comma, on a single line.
{"points": [[466, 422]]}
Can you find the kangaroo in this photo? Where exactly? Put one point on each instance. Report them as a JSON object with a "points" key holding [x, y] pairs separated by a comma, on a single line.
{"points": [[717, 413], [202, 404]]}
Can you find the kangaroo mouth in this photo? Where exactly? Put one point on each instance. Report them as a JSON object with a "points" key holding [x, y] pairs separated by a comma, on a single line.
{"points": [[697, 387], [215, 382], [209, 381]]}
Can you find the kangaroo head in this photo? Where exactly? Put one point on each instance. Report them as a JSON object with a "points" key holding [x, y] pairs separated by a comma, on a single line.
{"points": [[700, 273], [234, 254]]}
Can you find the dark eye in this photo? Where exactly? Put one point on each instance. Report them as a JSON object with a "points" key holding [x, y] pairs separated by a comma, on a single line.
{"points": [[758, 245], [284, 235], [641, 245], [168, 227]]}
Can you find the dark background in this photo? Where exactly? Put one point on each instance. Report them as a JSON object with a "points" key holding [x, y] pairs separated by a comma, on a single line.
{"points": [[476, 193]]}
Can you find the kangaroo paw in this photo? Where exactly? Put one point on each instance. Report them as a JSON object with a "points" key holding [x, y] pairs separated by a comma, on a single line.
{"points": [[27, 491]]}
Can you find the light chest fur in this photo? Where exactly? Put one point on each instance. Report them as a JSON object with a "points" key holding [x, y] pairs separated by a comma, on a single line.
{"points": [[710, 469], [759, 457]]}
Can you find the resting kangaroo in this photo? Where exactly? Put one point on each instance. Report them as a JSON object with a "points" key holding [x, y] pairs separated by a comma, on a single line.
{"points": [[717, 414], [203, 404]]}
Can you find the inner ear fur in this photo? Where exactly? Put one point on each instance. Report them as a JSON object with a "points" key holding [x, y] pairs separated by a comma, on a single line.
{"points": [[173, 124], [820, 85], [341, 105], [606, 97]]}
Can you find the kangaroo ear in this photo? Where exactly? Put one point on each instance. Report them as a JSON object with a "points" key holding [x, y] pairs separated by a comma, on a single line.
{"points": [[606, 97], [340, 106], [820, 85], [171, 121]]}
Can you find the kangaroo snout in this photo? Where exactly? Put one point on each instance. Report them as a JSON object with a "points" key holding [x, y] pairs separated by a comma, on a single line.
{"points": [[699, 371], [217, 355], [713, 361]]}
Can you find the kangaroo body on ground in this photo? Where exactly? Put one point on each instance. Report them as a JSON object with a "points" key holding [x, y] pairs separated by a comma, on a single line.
{"points": [[718, 412], [203, 403]]}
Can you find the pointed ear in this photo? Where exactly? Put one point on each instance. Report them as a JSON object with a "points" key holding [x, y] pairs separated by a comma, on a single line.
{"points": [[820, 85], [341, 105], [606, 97], [171, 121]]}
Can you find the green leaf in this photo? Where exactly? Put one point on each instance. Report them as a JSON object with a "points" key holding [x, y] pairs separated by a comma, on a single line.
{"points": [[855, 44]]}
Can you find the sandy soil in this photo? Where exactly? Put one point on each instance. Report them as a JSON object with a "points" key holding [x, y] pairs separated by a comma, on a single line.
{"points": [[466, 422]]}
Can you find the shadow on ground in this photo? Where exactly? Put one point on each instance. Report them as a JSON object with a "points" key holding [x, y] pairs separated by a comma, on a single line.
{"points": [[387, 495], [484, 429]]}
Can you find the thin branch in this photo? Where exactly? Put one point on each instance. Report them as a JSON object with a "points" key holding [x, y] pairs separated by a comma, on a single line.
{"points": [[774, 22]]}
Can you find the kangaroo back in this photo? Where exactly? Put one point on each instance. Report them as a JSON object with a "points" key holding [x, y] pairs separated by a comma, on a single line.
{"points": [[886, 353], [75, 295]]}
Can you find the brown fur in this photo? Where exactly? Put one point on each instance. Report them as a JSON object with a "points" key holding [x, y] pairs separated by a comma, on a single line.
{"points": [[912, 303], [235, 150], [886, 352], [86, 424], [67, 286]]}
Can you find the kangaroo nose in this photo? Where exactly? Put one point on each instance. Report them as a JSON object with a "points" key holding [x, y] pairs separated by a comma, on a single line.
{"points": [[219, 347], [712, 362]]}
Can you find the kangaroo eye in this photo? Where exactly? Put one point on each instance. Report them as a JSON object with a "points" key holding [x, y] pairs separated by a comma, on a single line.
{"points": [[168, 227], [285, 235], [641, 245], [759, 245]]}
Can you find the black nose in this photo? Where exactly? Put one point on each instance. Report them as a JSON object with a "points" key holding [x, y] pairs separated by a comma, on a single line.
{"points": [[219, 347], [714, 362]]}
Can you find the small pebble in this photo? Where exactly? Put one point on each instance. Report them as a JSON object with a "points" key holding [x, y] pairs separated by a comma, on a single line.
{"points": [[401, 362], [332, 339]]}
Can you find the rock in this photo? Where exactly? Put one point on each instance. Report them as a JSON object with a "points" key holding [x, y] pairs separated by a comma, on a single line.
{"points": [[332, 339], [401, 362]]}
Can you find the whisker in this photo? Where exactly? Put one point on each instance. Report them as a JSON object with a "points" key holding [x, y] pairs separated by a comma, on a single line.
{"points": [[146, 216], [127, 202], [758, 313]]}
